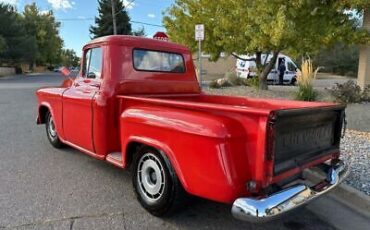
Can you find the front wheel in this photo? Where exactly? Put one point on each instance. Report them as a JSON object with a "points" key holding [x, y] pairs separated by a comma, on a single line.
{"points": [[155, 182], [293, 81], [51, 132]]}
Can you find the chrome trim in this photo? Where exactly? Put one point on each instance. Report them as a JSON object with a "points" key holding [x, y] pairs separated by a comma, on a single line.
{"points": [[264, 209]]}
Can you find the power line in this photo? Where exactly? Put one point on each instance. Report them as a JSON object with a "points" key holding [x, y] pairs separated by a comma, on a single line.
{"points": [[145, 23], [87, 19], [128, 4]]}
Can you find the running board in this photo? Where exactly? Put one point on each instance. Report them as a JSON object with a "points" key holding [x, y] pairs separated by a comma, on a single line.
{"points": [[115, 159]]}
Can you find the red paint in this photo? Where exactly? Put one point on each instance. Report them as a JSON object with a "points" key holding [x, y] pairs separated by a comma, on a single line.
{"points": [[161, 36], [65, 71], [215, 143]]}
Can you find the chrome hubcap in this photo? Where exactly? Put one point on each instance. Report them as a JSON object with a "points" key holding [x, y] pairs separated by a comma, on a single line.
{"points": [[150, 176], [51, 128]]}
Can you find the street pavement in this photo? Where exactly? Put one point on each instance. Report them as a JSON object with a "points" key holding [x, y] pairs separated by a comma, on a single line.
{"points": [[46, 188]]}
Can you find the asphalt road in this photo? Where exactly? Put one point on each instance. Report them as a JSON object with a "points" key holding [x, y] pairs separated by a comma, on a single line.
{"points": [[45, 188]]}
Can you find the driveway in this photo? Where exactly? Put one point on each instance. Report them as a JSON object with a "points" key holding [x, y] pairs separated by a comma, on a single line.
{"points": [[45, 188]]}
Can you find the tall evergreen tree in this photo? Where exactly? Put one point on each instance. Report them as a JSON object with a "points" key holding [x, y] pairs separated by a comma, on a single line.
{"points": [[104, 22]]}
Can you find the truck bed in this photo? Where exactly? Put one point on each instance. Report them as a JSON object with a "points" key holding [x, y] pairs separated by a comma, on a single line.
{"points": [[294, 132], [228, 103]]}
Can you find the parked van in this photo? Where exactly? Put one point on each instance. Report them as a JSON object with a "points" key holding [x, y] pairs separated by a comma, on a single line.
{"points": [[248, 69]]}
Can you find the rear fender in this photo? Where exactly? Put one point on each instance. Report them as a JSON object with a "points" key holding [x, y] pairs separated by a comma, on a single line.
{"points": [[162, 148], [197, 144]]}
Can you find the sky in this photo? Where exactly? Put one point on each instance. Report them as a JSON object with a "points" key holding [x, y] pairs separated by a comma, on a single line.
{"points": [[76, 16]]}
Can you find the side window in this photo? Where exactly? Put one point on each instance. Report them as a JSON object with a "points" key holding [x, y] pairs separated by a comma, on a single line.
{"points": [[291, 66], [93, 63], [86, 62]]}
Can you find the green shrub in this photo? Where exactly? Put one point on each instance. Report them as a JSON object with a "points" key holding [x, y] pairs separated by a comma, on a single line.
{"points": [[252, 82], [366, 94], [306, 93], [348, 92]]}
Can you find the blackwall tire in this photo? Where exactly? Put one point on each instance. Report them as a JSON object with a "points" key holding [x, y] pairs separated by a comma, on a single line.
{"points": [[51, 132], [156, 185]]}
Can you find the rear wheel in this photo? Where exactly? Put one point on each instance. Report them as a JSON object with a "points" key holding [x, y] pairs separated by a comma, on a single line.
{"points": [[51, 131], [156, 185]]}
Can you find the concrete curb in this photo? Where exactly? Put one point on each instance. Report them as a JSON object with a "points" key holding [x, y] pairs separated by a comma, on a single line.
{"points": [[342, 207], [352, 198], [347, 195]]}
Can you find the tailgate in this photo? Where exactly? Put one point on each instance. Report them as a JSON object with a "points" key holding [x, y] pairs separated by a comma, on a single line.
{"points": [[302, 135]]}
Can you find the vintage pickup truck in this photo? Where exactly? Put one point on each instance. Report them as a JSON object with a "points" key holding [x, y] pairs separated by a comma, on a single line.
{"points": [[137, 104]]}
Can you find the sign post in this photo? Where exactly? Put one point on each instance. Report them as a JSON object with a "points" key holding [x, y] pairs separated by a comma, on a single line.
{"points": [[199, 36]]}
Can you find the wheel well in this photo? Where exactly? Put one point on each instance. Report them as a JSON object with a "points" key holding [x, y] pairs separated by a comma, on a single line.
{"points": [[134, 147], [43, 110], [131, 149]]}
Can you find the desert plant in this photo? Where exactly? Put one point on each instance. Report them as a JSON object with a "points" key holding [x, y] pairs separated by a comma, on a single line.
{"points": [[213, 84], [232, 78], [348, 92], [223, 82], [305, 77]]}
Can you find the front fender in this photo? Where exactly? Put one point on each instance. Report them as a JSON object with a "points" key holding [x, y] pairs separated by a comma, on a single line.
{"points": [[51, 99], [197, 144]]}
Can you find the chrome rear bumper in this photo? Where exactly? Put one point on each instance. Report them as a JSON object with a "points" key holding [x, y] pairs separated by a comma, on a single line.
{"points": [[264, 209]]}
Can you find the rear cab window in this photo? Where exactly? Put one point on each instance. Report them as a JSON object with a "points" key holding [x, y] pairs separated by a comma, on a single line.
{"points": [[158, 61]]}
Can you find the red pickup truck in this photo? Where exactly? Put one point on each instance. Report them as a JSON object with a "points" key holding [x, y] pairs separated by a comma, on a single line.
{"points": [[137, 104]]}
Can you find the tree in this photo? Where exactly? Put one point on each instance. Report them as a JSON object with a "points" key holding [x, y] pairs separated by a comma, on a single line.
{"points": [[255, 27], [69, 58], [15, 44], [104, 22], [340, 59], [45, 29], [2, 44]]}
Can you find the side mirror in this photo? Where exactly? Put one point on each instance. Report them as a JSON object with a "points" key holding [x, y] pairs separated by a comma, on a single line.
{"points": [[65, 71]]}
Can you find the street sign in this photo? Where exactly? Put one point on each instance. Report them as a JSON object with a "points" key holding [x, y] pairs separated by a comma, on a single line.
{"points": [[199, 32], [161, 36], [199, 36]]}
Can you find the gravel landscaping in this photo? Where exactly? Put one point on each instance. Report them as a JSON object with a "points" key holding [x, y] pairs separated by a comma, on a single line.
{"points": [[355, 146]]}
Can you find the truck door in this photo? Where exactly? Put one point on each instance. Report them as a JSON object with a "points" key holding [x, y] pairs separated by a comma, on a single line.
{"points": [[290, 73], [77, 101]]}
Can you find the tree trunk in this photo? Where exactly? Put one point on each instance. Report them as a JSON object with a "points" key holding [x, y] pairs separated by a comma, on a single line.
{"points": [[266, 70]]}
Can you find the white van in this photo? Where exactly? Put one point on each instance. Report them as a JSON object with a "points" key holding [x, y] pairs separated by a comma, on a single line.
{"points": [[247, 69]]}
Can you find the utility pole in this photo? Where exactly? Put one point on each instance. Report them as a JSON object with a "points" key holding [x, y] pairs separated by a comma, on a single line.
{"points": [[114, 17], [363, 78]]}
